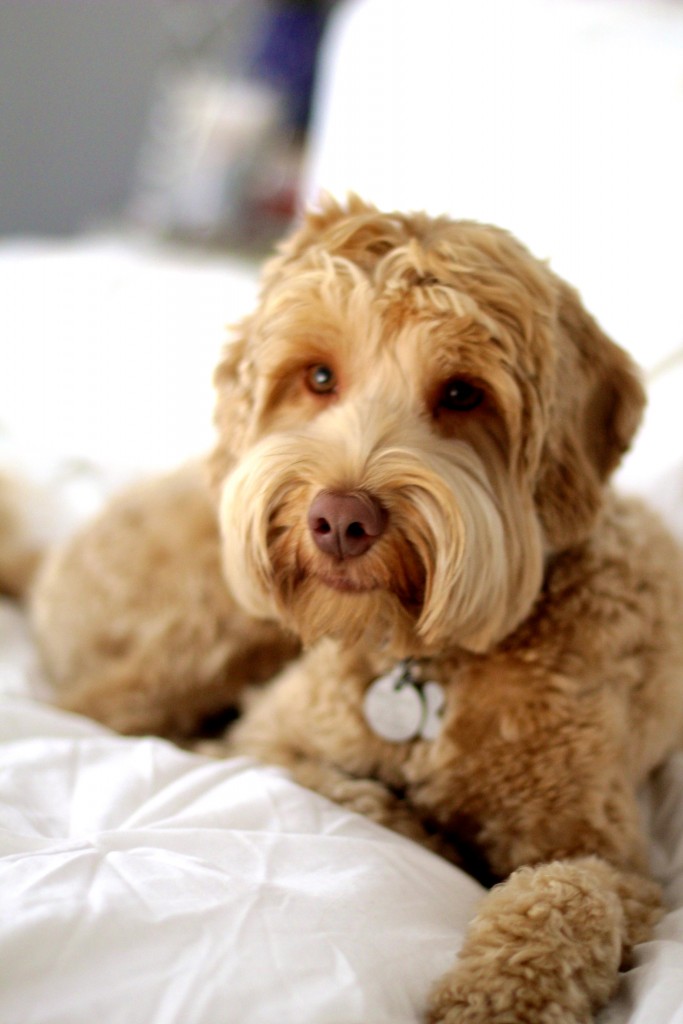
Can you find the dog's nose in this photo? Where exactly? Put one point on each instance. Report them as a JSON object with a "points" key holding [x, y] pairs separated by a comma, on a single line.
{"points": [[346, 525]]}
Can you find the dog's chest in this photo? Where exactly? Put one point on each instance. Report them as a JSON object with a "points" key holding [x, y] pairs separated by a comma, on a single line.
{"points": [[436, 732], [390, 720]]}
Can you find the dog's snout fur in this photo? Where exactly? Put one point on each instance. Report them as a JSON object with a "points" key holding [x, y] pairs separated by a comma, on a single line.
{"points": [[346, 525]]}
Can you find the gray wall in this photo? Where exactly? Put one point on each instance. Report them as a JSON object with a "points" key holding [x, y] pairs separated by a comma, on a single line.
{"points": [[76, 82]]}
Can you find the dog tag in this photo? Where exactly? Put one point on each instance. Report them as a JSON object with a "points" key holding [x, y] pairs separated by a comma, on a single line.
{"points": [[398, 707], [434, 704]]}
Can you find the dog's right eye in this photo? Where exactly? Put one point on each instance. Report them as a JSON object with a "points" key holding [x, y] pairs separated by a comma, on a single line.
{"points": [[459, 395], [321, 379]]}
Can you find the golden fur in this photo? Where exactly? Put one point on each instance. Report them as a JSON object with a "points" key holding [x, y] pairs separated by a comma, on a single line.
{"points": [[21, 545], [549, 610], [135, 624]]}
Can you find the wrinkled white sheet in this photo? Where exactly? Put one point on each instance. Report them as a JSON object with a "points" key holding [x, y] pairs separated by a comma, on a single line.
{"points": [[143, 883]]}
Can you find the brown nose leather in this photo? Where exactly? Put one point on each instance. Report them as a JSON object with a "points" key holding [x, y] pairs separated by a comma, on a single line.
{"points": [[346, 525]]}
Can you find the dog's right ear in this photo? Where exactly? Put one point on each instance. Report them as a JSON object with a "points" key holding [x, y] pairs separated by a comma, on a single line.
{"points": [[234, 381], [597, 409]]}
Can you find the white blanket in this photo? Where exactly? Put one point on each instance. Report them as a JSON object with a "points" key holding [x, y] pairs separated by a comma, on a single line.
{"points": [[144, 885], [141, 883]]}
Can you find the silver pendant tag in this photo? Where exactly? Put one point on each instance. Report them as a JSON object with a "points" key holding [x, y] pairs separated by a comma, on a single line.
{"points": [[399, 707]]}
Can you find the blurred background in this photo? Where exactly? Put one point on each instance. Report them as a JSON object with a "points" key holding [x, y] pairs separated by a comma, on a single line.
{"points": [[151, 151], [182, 117]]}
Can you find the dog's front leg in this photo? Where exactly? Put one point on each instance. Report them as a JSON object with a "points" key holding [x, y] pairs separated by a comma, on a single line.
{"points": [[276, 729], [370, 798], [546, 945], [367, 797]]}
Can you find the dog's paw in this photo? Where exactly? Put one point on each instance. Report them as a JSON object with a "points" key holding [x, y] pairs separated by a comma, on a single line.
{"points": [[370, 799], [487, 996], [546, 946]]}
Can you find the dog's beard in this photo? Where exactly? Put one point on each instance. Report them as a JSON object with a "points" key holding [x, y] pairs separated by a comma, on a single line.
{"points": [[459, 564]]}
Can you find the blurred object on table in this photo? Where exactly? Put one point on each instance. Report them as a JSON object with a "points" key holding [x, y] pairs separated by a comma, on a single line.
{"points": [[222, 157]]}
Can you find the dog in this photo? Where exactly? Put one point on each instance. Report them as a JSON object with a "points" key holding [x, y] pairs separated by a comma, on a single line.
{"points": [[416, 429]]}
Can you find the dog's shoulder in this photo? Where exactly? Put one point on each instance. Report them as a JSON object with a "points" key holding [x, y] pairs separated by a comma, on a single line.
{"points": [[617, 593]]}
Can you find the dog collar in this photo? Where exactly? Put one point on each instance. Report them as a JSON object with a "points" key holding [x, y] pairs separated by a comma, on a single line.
{"points": [[399, 706]]}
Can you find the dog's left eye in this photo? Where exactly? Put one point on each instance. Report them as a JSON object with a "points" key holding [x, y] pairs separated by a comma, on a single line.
{"points": [[459, 395], [321, 379]]}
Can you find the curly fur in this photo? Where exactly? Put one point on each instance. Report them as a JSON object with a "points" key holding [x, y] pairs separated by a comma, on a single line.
{"points": [[135, 624], [549, 610]]}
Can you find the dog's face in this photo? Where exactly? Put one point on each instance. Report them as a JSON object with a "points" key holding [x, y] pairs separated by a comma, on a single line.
{"points": [[416, 416]]}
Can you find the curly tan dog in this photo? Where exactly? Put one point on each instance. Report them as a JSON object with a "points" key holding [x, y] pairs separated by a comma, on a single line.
{"points": [[416, 430]]}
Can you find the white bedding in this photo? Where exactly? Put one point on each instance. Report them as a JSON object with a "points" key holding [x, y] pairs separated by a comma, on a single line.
{"points": [[142, 883]]}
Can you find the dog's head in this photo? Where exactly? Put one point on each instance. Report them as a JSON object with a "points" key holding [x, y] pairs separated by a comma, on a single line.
{"points": [[415, 417]]}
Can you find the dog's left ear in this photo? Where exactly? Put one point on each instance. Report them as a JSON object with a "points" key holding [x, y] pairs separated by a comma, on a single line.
{"points": [[597, 408]]}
